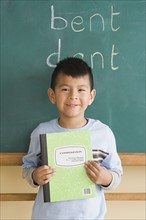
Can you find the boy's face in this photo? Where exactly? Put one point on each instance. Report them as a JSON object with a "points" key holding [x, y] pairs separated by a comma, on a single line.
{"points": [[72, 95]]}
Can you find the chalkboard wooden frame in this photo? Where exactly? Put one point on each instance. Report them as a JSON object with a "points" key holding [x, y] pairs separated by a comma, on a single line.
{"points": [[132, 159], [109, 196]]}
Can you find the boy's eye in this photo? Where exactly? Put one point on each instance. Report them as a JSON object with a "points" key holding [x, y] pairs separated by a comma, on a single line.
{"points": [[82, 90], [65, 89]]}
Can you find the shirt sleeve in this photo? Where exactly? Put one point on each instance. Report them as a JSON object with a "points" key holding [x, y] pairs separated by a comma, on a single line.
{"points": [[27, 174], [32, 160], [113, 162], [116, 179]]}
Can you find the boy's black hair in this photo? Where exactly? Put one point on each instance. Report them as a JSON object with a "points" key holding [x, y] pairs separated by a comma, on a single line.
{"points": [[74, 67]]}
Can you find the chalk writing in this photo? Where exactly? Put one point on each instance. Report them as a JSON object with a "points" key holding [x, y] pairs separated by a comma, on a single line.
{"points": [[59, 23]]}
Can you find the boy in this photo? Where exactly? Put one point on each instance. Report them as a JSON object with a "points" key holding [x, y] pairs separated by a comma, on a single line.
{"points": [[72, 92]]}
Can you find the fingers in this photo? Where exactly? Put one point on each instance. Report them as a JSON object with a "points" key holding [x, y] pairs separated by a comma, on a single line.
{"points": [[46, 174], [43, 174], [98, 174], [92, 170], [92, 167]]}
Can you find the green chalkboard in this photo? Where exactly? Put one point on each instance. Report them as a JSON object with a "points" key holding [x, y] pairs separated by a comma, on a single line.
{"points": [[109, 35]]}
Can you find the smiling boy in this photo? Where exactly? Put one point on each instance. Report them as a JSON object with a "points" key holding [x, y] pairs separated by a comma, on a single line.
{"points": [[72, 96], [72, 91]]}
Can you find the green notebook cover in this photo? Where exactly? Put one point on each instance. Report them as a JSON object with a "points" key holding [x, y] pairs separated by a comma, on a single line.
{"points": [[67, 152]]}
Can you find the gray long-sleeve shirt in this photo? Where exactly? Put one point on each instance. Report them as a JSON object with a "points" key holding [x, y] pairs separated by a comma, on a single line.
{"points": [[94, 208]]}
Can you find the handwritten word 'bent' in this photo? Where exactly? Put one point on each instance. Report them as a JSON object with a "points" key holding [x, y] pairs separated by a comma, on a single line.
{"points": [[78, 21]]}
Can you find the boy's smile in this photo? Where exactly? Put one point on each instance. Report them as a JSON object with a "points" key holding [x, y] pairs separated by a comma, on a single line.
{"points": [[72, 96]]}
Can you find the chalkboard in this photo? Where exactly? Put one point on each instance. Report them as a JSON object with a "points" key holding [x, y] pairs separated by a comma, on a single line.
{"points": [[108, 35]]}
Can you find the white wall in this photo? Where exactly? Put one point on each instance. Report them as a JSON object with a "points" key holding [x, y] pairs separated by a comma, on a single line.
{"points": [[134, 180]]}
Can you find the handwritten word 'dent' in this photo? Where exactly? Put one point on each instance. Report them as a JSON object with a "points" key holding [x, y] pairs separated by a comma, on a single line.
{"points": [[75, 26]]}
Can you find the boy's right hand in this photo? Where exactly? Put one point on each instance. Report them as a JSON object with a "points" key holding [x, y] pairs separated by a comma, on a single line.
{"points": [[43, 175]]}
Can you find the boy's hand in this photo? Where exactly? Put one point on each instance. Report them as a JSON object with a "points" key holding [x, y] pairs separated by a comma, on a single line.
{"points": [[43, 175], [98, 174]]}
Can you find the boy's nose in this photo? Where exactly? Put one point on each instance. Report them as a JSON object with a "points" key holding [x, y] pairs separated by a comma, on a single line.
{"points": [[73, 95]]}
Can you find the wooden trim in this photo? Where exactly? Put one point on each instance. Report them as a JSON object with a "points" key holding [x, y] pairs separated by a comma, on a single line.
{"points": [[125, 196], [133, 159], [11, 159], [128, 159], [17, 197], [109, 196]]}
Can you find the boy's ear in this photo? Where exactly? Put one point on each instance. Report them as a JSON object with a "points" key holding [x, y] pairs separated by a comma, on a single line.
{"points": [[92, 96], [51, 96]]}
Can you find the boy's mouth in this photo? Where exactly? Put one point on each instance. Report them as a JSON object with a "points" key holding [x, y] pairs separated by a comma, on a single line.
{"points": [[72, 104]]}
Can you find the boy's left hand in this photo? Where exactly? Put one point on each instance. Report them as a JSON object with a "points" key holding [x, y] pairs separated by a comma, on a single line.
{"points": [[98, 174]]}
